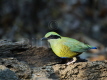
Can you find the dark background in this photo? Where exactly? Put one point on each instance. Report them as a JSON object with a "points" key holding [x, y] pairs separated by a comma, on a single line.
{"points": [[85, 20]]}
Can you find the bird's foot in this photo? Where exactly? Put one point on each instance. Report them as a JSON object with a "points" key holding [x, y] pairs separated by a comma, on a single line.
{"points": [[71, 62]]}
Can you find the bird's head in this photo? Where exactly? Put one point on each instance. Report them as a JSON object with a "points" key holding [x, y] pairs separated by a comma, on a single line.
{"points": [[51, 36]]}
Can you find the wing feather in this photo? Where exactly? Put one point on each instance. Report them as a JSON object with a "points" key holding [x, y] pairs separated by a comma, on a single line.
{"points": [[75, 45]]}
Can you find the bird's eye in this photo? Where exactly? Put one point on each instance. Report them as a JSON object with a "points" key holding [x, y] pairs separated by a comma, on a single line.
{"points": [[54, 37], [51, 36]]}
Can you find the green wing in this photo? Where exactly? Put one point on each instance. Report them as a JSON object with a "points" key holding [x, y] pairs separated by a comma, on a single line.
{"points": [[75, 45]]}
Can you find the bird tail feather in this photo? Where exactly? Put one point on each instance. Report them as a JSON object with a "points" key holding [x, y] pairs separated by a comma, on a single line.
{"points": [[93, 48]]}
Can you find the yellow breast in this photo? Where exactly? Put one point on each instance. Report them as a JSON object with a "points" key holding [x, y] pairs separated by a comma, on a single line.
{"points": [[63, 51]]}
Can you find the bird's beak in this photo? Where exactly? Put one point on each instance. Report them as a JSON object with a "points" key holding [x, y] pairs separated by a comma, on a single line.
{"points": [[44, 38]]}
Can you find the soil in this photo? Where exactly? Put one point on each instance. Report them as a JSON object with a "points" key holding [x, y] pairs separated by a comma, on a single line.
{"points": [[40, 63], [37, 57]]}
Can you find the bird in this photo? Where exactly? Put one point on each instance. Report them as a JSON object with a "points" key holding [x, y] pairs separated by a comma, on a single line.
{"points": [[65, 47]]}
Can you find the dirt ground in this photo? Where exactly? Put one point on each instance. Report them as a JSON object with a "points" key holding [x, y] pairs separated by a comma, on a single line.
{"points": [[37, 57], [48, 66], [40, 63]]}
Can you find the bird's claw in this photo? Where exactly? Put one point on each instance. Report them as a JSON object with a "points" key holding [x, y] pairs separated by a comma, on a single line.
{"points": [[72, 62]]}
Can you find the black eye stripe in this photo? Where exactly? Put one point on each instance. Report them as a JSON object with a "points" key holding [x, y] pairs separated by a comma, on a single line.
{"points": [[54, 37]]}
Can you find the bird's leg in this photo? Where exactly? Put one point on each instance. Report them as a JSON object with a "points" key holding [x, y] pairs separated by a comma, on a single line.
{"points": [[71, 62]]}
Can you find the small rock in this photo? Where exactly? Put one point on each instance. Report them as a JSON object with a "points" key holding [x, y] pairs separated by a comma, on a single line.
{"points": [[7, 74], [21, 69]]}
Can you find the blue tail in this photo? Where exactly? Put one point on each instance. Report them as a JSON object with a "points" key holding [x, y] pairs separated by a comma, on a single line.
{"points": [[93, 48]]}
